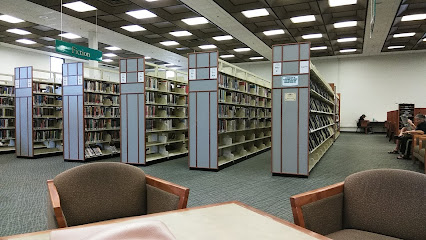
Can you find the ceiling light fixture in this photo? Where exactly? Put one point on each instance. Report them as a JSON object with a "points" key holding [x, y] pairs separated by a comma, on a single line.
{"points": [[337, 3], [79, 6], [395, 47], [413, 17], [347, 50], [18, 31], [180, 33], [108, 60], [345, 24], [256, 58], [318, 48], [195, 21], [133, 28], [141, 14], [350, 39], [227, 56], [207, 46], [112, 48], [302, 19], [400, 35], [242, 49], [223, 38], [255, 13], [26, 41], [147, 57], [424, 39], [69, 35], [311, 36], [110, 55], [273, 32], [10, 19], [169, 43]]}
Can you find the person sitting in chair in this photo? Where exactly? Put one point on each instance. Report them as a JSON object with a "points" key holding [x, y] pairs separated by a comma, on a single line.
{"points": [[405, 145], [362, 119], [407, 127]]}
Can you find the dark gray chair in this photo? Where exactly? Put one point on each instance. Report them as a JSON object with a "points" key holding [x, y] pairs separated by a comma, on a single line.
{"points": [[101, 191]]}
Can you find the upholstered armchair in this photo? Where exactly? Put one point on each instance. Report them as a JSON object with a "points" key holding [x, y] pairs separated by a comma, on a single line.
{"points": [[101, 191], [419, 146], [381, 204]]}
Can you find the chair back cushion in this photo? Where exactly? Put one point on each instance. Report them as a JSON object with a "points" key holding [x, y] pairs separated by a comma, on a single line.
{"points": [[100, 191], [386, 201]]}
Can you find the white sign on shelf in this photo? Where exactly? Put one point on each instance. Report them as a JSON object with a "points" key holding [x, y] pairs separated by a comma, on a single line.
{"points": [[290, 97], [65, 81], [277, 68], [123, 78], [16, 83], [80, 80], [192, 74], [304, 67], [141, 77], [213, 73], [290, 81], [29, 83]]}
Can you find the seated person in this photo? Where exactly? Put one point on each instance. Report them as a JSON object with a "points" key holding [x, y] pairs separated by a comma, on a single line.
{"points": [[360, 120], [407, 127], [420, 126]]}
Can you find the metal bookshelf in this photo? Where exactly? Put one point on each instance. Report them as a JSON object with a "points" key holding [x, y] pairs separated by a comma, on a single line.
{"points": [[38, 112], [7, 113], [154, 112], [303, 119], [91, 112], [229, 112]]}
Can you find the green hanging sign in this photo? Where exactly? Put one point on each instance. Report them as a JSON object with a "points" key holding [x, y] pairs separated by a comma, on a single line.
{"points": [[78, 51]]}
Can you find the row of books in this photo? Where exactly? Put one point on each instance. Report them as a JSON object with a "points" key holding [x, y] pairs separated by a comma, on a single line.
{"points": [[6, 101], [104, 87], [241, 124], [45, 88], [7, 134], [7, 90], [242, 98], [165, 137], [101, 123], [237, 111], [318, 121], [163, 98], [164, 111], [241, 85], [321, 90], [47, 135], [244, 149], [43, 100], [151, 83], [318, 137], [317, 105], [46, 123], [8, 122], [40, 112], [93, 151], [163, 124]]}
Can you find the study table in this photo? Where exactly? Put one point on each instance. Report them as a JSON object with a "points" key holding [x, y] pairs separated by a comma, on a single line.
{"points": [[222, 221]]}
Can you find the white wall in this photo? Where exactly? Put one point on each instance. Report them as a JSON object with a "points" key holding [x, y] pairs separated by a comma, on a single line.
{"points": [[11, 58], [369, 85]]}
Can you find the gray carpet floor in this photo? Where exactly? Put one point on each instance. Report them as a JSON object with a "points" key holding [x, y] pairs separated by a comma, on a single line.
{"points": [[23, 181]]}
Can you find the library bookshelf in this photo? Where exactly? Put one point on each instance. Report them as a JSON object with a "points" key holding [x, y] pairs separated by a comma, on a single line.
{"points": [[38, 112], [303, 110], [229, 112], [7, 113], [91, 112], [154, 122], [337, 115]]}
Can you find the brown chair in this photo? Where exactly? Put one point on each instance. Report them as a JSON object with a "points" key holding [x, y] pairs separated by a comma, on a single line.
{"points": [[380, 204], [364, 125], [419, 146], [101, 191]]}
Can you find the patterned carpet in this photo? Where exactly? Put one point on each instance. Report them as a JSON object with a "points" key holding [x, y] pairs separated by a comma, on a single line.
{"points": [[23, 181]]}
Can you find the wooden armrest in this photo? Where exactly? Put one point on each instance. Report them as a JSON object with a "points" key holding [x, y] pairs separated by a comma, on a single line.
{"points": [[297, 201], [169, 187], [56, 204]]}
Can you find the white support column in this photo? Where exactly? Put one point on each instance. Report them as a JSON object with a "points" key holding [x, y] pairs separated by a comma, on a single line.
{"points": [[93, 43]]}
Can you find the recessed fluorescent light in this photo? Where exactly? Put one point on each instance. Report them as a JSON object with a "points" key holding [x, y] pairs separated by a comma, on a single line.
{"points": [[133, 28], [318, 48], [112, 48], [256, 58], [302, 19], [110, 55], [395, 47], [10, 19], [273, 32], [223, 38], [424, 39], [151, 0], [18, 31], [51, 47], [79, 6], [26, 41], [399, 35], [169, 43], [414, 17], [337, 3], [227, 56], [347, 50], [195, 21], [148, 57], [207, 46], [345, 24], [350, 39], [69, 35], [108, 60], [311, 36], [141, 14], [255, 13], [180, 33], [242, 49]]}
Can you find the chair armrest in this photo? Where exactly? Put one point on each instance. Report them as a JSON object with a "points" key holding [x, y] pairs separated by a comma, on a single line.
{"points": [[56, 204], [169, 187], [297, 201]]}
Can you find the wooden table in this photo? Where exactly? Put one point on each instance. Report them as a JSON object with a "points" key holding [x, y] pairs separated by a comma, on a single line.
{"points": [[230, 220]]}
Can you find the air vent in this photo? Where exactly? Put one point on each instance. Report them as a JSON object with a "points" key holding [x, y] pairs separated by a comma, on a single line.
{"points": [[115, 3]]}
